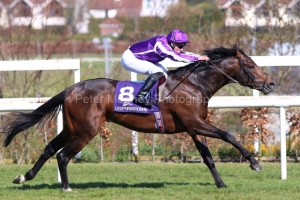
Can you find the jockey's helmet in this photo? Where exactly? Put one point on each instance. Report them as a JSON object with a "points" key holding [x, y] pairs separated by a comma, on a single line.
{"points": [[177, 36]]}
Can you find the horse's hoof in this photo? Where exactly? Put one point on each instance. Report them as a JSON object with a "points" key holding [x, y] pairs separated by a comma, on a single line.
{"points": [[19, 179], [256, 167], [222, 185], [67, 190]]}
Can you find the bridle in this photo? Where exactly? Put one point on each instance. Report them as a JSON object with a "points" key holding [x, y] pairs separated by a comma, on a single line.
{"points": [[251, 77], [242, 67], [260, 84]]}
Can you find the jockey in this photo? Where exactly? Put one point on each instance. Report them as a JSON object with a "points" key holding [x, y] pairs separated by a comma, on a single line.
{"points": [[144, 57]]}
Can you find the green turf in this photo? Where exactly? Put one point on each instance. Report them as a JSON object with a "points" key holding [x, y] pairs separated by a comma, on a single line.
{"points": [[153, 181]]}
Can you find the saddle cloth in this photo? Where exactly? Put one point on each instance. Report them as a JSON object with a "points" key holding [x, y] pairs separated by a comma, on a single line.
{"points": [[126, 91]]}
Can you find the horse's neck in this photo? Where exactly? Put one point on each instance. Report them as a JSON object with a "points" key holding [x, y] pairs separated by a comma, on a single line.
{"points": [[212, 83]]}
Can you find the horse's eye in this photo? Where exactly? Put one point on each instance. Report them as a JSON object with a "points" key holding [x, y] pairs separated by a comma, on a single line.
{"points": [[251, 66]]}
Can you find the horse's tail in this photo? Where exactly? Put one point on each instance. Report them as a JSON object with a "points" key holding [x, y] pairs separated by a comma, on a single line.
{"points": [[20, 121]]}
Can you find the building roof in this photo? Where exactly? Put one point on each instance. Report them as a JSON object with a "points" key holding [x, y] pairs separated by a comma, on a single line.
{"points": [[252, 2], [129, 8], [226, 3], [103, 4], [31, 3], [68, 1], [7, 2], [37, 1]]}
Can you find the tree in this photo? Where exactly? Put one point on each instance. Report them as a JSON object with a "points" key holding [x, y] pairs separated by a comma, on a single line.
{"points": [[294, 139], [281, 38], [256, 119], [196, 19], [192, 19]]}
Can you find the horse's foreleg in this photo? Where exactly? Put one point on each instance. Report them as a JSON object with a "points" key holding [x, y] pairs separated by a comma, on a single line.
{"points": [[206, 129], [201, 145], [57, 143]]}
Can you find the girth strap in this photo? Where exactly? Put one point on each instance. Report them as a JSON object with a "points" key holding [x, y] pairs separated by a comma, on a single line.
{"points": [[159, 122]]}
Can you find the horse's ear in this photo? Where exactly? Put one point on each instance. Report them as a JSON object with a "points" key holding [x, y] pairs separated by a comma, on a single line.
{"points": [[235, 47], [237, 51]]}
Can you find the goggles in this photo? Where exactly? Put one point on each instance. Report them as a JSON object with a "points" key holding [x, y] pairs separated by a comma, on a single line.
{"points": [[180, 45]]}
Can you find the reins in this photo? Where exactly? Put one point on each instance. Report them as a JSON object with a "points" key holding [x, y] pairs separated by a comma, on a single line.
{"points": [[191, 71], [222, 72]]}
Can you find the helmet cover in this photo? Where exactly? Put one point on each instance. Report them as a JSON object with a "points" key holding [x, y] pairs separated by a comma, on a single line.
{"points": [[177, 36]]}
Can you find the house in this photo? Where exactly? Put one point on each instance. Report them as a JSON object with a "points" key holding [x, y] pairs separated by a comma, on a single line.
{"points": [[125, 8], [129, 8], [34, 13], [111, 9], [114, 8], [103, 8], [156, 7], [111, 27], [258, 13]]}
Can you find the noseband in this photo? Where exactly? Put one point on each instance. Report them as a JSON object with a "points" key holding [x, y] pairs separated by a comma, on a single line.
{"points": [[251, 77]]}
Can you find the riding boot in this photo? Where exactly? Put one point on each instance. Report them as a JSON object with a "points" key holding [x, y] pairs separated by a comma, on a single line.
{"points": [[140, 98]]}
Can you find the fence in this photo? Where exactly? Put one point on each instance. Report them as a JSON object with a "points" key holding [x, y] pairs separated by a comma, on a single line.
{"points": [[280, 102]]}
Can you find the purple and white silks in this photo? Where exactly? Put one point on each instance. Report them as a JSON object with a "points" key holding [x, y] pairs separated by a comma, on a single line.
{"points": [[157, 49]]}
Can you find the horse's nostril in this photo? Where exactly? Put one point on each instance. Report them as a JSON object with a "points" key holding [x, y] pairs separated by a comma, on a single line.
{"points": [[272, 85]]}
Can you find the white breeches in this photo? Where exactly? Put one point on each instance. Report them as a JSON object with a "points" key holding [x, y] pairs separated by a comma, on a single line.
{"points": [[133, 64]]}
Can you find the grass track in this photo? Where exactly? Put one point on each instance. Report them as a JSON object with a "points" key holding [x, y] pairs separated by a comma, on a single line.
{"points": [[153, 181]]}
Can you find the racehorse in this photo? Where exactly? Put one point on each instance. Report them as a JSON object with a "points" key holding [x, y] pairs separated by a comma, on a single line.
{"points": [[87, 105]]}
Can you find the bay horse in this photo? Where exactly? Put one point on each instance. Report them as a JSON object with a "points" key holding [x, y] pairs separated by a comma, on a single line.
{"points": [[195, 84]]}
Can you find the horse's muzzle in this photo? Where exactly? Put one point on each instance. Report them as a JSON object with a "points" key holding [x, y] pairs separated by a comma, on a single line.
{"points": [[265, 86], [268, 88]]}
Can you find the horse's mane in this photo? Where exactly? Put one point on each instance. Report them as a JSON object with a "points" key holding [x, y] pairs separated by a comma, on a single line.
{"points": [[215, 54], [219, 53]]}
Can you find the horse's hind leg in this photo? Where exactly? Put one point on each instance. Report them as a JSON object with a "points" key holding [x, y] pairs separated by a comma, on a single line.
{"points": [[200, 142], [57, 143], [75, 145]]}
